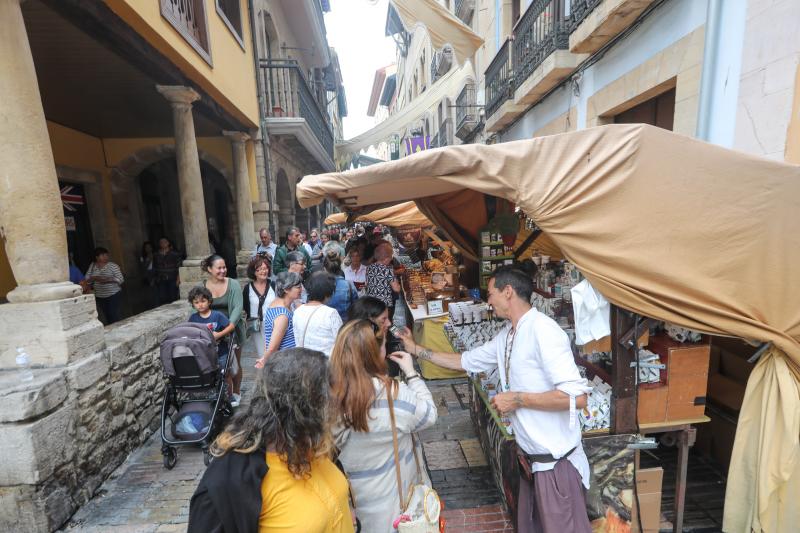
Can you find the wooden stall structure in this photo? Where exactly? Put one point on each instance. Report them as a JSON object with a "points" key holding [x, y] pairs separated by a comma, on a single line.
{"points": [[663, 226]]}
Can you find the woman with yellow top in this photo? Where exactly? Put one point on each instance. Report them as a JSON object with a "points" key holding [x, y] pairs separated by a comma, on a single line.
{"points": [[272, 469]]}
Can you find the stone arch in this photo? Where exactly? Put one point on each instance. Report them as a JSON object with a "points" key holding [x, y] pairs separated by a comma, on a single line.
{"points": [[127, 206]]}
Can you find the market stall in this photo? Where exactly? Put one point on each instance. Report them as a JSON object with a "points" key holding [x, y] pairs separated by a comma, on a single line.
{"points": [[663, 226]]}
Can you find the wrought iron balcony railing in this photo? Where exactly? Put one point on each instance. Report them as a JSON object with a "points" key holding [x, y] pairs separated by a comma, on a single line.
{"points": [[541, 30], [499, 78], [441, 63], [579, 10], [464, 9], [466, 111], [445, 132], [289, 95]]}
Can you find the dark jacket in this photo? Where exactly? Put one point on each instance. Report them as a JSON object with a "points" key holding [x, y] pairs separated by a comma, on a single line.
{"points": [[228, 498]]}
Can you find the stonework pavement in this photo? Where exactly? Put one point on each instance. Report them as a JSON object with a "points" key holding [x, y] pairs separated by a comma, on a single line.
{"points": [[141, 496]]}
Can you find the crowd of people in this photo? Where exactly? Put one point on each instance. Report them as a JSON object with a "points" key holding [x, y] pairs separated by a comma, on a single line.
{"points": [[327, 442]]}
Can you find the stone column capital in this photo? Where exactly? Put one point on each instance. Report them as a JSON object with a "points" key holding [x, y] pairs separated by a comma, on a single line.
{"points": [[236, 136], [178, 94]]}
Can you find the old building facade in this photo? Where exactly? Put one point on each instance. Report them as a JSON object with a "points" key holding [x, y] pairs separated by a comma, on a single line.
{"points": [[121, 122]]}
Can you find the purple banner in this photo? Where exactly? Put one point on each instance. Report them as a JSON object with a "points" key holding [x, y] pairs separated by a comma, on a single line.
{"points": [[417, 144]]}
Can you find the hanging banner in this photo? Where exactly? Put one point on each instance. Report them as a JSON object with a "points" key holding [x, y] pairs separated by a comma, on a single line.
{"points": [[417, 144]]}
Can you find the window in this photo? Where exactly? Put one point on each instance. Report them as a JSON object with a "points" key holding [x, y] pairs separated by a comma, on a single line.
{"points": [[188, 17], [658, 111], [230, 11]]}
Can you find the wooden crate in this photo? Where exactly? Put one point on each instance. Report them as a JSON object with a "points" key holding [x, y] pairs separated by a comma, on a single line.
{"points": [[682, 391]]}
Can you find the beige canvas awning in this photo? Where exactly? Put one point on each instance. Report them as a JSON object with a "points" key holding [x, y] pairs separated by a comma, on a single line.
{"points": [[443, 27], [448, 85], [402, 214], [664, 225]]}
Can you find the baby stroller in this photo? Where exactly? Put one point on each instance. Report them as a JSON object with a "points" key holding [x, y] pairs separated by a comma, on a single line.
{"points": [[196, 397]]}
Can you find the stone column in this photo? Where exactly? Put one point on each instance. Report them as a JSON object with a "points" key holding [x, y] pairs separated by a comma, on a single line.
{"points": [[244, 202], [190, 183], [47, 315]]}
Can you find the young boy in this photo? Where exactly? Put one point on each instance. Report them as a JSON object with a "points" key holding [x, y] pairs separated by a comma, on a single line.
{"points": [[217, 322]]}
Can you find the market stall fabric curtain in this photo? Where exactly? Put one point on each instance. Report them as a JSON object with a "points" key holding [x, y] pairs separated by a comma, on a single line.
{"points": [[459, 215], [394, 216], [443, 27], [667, 226], [543, 243], [448, 85], [766, 450]]}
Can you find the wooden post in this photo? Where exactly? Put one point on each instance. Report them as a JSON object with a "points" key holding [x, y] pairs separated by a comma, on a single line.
{"points": [[623, 376]]}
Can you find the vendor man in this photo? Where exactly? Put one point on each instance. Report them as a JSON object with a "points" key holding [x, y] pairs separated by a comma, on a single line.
{"points": [[540, 392]]}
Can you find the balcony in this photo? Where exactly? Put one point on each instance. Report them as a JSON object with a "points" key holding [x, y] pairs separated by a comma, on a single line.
{"points": [[595, 22], [292, 109], [541, 59], [464, 9], [466, 111], [441, 63], [500, 107]]}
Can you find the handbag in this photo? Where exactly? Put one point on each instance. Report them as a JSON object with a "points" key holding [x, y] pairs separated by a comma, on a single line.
{"points": [[302, 342], [422, 507]]}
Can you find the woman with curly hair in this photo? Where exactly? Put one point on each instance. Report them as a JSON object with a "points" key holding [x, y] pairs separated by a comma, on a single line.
{"points": [[272, 469], [359, 397]]}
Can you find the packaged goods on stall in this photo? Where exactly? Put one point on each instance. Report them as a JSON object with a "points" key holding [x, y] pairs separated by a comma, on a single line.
{"points": [[597, 413]]}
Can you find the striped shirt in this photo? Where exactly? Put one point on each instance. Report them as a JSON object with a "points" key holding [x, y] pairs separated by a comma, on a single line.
{"points": [[270, 314], [104, 289]]}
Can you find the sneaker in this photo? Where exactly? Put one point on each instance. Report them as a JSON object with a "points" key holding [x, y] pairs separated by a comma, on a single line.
{"points": [[236, 399]]}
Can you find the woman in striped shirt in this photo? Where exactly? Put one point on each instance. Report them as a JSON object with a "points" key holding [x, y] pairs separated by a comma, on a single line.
{"points": [[106, 280], [278, 332]]}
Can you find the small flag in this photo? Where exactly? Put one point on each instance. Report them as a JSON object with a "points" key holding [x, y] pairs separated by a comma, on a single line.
{"points": [[70, 199]]}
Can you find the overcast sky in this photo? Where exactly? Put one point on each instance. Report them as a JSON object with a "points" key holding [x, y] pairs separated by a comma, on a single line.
{"points": [[356, 30]]}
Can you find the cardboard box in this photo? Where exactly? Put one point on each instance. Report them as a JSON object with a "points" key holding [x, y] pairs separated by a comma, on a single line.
{"points": [[648, 486]]}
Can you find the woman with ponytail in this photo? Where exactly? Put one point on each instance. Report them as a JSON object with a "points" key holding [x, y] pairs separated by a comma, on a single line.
{"points": [[345, 292]]}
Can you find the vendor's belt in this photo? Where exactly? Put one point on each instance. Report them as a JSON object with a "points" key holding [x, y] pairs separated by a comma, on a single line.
{"points": [[546, 457]]}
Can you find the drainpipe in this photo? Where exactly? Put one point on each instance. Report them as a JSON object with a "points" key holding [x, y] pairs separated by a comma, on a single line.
{"points": [[263, 124], [722, 69], [710, 53]]}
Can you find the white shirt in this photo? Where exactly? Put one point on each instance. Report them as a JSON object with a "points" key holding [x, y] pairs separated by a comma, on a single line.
{"points": [[320, 333], [541, 360], [253, 297], [308, 249], [356, 276], [270, 249]]}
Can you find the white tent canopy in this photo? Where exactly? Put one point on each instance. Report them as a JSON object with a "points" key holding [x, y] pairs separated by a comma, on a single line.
{"points": [[443, 27], [448, 85]]}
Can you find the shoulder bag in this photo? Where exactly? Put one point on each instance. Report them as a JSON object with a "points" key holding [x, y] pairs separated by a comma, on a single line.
{"points": [[421, 507], [302, 343]]}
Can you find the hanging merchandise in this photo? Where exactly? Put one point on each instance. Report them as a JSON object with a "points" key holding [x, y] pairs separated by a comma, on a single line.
{"points": [[592, 313]]}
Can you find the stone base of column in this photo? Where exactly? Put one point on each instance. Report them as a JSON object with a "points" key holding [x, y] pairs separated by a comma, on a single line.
{"points": [[43, 292], [242, 260], [53, 333], [191, 275]]}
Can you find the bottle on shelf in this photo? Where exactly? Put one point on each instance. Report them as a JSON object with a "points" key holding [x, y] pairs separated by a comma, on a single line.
{"points": [[23, 361]]}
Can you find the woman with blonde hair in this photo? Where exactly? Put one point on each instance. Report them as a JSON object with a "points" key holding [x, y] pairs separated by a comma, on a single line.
{"points": [[359, 388], [272, 470]]}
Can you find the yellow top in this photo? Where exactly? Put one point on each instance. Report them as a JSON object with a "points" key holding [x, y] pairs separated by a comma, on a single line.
{"points": [[315, 505]]}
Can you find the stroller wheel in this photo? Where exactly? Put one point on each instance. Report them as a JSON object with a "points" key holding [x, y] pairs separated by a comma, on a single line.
{"points": [[170, 458], [206, 457]]}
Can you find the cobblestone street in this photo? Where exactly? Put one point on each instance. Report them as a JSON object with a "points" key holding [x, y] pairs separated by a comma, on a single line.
{"points": [[141, 496]]}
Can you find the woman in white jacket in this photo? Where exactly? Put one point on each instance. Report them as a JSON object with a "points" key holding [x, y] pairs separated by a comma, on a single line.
{"points": [[364, 431]]}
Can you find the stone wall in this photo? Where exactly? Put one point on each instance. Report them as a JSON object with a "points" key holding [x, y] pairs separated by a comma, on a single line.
{"points": [[64, 432]]}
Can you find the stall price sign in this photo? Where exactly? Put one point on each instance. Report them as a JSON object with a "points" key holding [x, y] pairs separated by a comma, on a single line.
{"points": [[435, 307]]}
